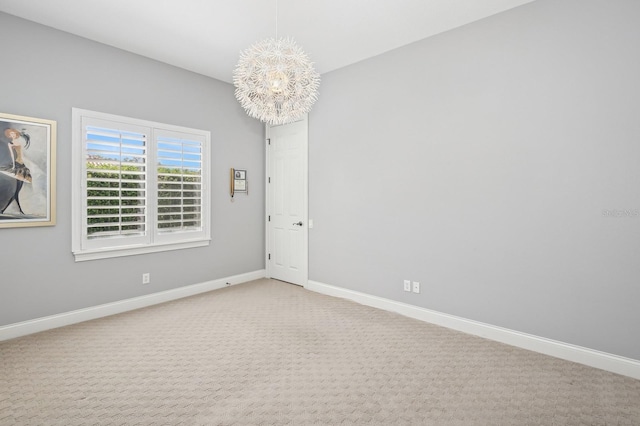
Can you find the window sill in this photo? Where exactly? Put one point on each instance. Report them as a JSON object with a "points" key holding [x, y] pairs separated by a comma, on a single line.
{"points": [[96, 254]]}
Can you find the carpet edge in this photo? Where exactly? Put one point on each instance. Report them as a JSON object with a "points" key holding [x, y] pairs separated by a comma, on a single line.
{"points": [[36, 325], [569, 352]]}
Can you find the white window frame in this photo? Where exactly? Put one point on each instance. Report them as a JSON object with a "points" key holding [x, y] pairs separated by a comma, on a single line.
{"points": [[85, 249]]}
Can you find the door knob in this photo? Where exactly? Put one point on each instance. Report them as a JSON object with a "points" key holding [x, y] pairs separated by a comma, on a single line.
{"points": [[298, 223]]}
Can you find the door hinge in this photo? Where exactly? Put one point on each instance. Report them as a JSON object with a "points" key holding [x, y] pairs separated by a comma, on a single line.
{"points": [[269, 256], [269, 179], [269, 218], [269, 141]]}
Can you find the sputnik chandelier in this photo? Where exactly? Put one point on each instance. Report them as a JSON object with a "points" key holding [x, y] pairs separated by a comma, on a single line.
{"points": [[275, 80]]}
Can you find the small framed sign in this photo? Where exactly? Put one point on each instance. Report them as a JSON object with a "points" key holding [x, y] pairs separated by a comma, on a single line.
{"points": [[239, 181]]}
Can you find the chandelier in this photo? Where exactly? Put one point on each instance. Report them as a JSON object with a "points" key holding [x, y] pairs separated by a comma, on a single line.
{"points": [[275, 80]]}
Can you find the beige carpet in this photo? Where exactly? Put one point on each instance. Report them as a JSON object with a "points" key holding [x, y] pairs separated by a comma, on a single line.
{"points": [[271, 353]]}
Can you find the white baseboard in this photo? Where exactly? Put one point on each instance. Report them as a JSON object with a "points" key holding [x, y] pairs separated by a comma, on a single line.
{"points": [[67, 318], [602, 360]]}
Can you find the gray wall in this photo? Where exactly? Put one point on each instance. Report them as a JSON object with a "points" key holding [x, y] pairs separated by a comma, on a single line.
{"points": [[46, 73], [479, 162]]}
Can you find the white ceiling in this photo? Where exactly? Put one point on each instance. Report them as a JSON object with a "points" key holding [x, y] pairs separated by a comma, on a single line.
{"points": [[206, 36]]}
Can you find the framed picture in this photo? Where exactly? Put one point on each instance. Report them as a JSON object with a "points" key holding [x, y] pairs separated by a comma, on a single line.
{"points": [[240, 180], [241, 174], [27, 171]]}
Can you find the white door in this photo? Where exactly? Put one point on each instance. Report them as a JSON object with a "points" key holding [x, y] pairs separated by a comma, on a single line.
{"points": [[287, 202]]}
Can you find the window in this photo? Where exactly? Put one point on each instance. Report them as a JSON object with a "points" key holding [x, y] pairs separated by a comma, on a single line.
{"points": [[138, 186]]}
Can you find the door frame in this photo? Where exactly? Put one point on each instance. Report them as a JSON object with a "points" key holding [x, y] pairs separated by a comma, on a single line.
{"points": [[267, 192]]}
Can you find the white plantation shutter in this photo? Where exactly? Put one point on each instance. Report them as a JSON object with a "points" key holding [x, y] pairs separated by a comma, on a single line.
{"points": [[143, 186], [179, 164], [116, 177]]}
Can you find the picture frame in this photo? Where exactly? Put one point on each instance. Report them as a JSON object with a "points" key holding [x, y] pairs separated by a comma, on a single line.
{"points": [[240, 180], [27, 171]]}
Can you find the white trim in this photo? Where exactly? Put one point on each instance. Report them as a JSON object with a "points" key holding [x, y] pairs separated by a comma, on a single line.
{"points": [[67, 318], [106, 253], [593, 358], [267, 206], [152, 241]]}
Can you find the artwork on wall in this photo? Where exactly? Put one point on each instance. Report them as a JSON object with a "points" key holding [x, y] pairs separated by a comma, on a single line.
{"points": [[27, 171], [238, 179]]}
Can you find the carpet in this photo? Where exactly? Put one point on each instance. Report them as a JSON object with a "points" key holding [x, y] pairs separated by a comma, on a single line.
{"points": [[270, 353]]}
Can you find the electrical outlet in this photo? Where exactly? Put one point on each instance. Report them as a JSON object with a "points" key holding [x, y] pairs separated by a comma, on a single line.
{"points": [[407, 285], [146, 278], [416, 287]]}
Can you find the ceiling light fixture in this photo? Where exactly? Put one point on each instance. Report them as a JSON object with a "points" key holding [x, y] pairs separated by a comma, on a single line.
{"points": [[275, 80]]}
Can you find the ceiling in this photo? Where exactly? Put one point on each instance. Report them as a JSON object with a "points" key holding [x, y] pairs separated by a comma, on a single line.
{"points": [[206, 36]]}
